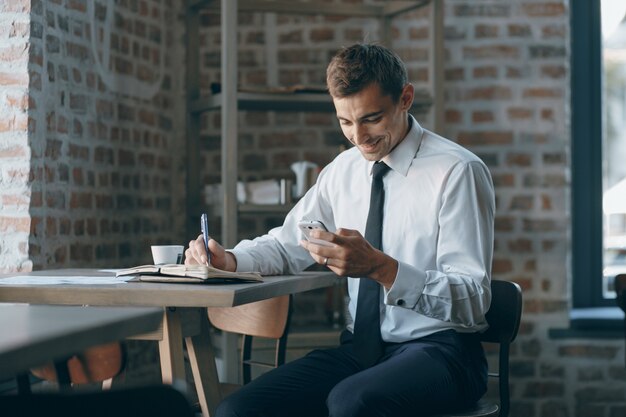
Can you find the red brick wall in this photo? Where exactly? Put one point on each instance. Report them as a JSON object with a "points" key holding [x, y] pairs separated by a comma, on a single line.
{"points": [[94, 164], [15, 195]]}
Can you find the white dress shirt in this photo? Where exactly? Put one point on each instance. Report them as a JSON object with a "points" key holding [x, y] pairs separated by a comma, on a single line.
{"points": [[438, 224]]}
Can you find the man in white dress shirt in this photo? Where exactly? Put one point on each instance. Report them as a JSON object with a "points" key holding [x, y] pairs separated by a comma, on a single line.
{"points": [[433, 271]]}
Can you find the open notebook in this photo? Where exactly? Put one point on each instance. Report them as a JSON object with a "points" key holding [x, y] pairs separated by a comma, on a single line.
{"points": [[188, 274]]}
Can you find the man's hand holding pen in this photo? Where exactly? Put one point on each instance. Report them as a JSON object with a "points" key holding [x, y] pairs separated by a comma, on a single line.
{"points": [[211, 253]]}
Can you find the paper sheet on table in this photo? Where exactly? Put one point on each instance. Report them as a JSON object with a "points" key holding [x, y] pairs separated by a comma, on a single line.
{"points": [[56, 280]]}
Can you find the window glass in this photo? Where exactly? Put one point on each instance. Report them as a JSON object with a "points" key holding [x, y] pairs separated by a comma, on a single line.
{"points": [[614, 141]]}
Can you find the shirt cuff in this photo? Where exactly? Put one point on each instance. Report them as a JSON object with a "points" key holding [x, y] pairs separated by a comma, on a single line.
{"points": [[245, 262], [407, 287]]}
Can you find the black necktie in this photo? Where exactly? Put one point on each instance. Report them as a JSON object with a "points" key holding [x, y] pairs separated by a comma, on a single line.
{"points": [[368, 344]]}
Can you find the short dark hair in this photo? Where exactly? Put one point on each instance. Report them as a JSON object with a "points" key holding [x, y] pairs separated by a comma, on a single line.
{"points": [[355, 67]]}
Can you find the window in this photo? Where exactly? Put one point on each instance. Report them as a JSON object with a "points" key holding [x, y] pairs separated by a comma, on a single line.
{"points": [[598, 149]]}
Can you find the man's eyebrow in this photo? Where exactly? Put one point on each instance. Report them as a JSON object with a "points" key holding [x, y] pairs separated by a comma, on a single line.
{"points": [[372, 114], [365, 116]]}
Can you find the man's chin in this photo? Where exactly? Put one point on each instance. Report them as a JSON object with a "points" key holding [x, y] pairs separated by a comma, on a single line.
{"points": [[371, 156]]}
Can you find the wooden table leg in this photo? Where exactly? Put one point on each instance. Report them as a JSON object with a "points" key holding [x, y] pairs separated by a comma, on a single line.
{"points": [[171, 348], [202, 362]]}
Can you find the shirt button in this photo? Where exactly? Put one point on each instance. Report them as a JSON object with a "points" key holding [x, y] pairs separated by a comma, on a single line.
{"points": [[400, 302]]}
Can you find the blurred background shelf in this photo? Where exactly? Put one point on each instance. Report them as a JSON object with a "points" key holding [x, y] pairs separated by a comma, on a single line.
{"points": [[265, 208], [309, 102]]}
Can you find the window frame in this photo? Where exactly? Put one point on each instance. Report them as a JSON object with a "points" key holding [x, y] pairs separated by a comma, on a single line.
{"points": [[586, 154]]}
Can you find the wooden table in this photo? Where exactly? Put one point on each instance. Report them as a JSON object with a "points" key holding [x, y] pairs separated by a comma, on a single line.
{"points": [[31, 335], [184, 314]]}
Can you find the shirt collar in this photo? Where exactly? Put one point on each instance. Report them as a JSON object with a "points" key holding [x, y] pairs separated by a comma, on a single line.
{"points": [[401, 158]]}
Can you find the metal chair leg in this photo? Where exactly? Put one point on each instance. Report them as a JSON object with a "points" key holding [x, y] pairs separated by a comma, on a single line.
{"points": [[23, 384], [63, 374]]}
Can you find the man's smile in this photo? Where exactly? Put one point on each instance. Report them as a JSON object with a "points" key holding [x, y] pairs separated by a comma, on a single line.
{"points": [[370, 145]]}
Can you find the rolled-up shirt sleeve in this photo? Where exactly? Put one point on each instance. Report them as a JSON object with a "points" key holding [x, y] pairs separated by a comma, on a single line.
{"points": [[457, 290]]}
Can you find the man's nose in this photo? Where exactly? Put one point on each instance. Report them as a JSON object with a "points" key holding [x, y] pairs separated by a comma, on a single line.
{"points": [[359, 134]]}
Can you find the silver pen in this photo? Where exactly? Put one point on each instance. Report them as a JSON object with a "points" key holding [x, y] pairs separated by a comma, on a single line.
{"points": [[204, 225]]}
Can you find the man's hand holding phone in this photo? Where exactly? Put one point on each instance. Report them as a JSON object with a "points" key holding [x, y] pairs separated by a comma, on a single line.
{"points": [[314, 231], [310, 230], [347, 253]]}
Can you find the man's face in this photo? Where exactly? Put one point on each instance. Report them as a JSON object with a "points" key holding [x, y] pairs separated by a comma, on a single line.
{"points": [[372, 121]]}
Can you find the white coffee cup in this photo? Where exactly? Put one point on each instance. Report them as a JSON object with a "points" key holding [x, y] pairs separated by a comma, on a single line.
{"points": [[167, 254]]}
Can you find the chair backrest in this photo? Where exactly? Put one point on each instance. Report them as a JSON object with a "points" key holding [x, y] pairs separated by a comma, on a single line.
{"points": [[504, 316], [267, 319], [505, 312], [95, 364]]}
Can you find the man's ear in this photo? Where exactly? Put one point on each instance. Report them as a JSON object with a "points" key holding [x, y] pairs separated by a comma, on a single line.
{"points": [[407, 96]]}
